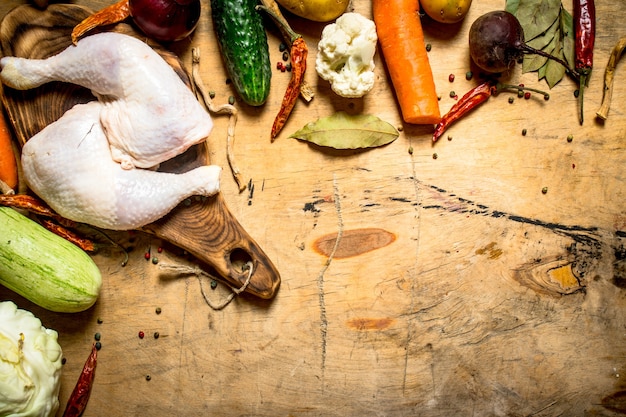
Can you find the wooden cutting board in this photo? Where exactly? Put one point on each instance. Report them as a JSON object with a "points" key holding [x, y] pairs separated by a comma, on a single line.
{"points": [[416, 279], [205, 228]]}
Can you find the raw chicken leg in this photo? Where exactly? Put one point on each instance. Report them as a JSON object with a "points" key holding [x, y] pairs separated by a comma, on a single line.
{"points": [[68, 164], [148, 114]]}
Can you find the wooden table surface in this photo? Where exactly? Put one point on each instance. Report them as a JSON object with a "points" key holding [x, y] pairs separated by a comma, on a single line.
{"points": [[458, 286]]}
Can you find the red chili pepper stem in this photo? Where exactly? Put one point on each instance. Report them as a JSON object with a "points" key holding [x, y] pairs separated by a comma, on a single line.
{"points": [[500, 87], [288, 33], [581, 89]]}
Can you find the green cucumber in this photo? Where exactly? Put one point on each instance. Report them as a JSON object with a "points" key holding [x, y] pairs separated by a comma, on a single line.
{"points": [[243, 44], [45, 268]]}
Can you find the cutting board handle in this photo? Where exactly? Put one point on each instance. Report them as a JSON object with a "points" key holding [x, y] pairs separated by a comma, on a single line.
{"points": [[206, 229]]}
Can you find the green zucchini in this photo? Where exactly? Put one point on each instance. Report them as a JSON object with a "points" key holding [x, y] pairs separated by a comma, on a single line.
{"points": [[243, 44], [45, 268]]}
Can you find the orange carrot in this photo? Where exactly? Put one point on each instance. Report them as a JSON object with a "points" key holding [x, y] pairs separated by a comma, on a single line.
{"points": [[402, 43], [8, 163]]}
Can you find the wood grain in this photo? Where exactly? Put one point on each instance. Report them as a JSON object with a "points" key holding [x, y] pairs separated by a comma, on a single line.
{"points": [[207, 229], [494, 299]]}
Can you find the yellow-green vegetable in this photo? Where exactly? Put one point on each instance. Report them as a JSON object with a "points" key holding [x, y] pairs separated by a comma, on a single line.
{"points": [[446, 11], [316, 10], [45, 268]]}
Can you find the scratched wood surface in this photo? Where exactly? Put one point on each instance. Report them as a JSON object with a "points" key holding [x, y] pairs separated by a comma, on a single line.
{"points": [[455, 286]]}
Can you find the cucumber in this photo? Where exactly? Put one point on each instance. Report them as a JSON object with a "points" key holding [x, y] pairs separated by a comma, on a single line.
{"points": [[243, 45], [45, 268]]}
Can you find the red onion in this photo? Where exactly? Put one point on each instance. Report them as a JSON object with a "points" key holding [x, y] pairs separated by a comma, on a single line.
{"points": [[166, 20]]}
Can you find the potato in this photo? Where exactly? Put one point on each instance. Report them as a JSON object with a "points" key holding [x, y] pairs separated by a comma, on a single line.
{"points": [[316, 10], [446, 11]]}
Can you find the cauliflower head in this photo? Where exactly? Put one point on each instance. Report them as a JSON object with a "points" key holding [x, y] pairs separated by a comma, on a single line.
{"points": [[30, 364], [345, 55]]}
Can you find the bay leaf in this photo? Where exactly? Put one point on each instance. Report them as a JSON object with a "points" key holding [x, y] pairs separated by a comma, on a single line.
{"points": [[536, 16], [532, 62], [344, 131], [567, 34], [568, 51], [544, 39], [541, 72], [544, 42], [547, 27], [562, 46], [511, 6], [554, 70]]}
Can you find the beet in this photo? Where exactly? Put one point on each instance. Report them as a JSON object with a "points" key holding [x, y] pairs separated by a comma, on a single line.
{"points": [[496, 42], [166, 20]]}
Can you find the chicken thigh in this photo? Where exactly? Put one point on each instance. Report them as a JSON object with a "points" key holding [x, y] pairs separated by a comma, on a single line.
{"points": [[68, 164], [148, 114]]}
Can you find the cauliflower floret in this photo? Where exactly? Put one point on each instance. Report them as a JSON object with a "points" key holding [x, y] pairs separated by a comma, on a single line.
{"points": [[345, 55], [30, 364]]}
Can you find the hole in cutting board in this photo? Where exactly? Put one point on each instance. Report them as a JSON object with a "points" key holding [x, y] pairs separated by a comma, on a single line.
{"points": [[239, 258]]}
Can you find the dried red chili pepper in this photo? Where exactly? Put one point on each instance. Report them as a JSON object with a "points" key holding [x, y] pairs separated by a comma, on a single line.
{"points": [[80, 395], [85, 244], [27, 202], [469, 101], [37, 206], [299, 53], [114, 13], [474, 98], [585, 30]]}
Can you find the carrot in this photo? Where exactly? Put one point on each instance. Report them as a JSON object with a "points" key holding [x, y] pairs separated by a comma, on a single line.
{"points": [[402, 43], [8, 163]]}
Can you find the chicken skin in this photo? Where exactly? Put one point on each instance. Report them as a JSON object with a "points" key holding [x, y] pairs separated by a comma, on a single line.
{"points": [[95, 163], [148, 113], [68, 164]]}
